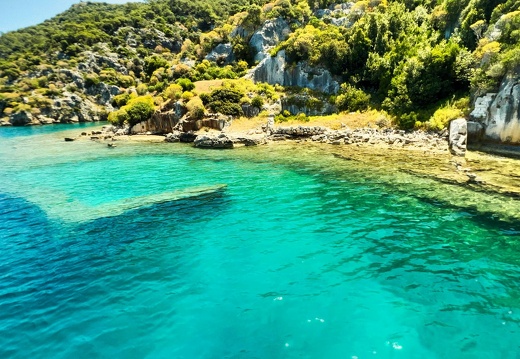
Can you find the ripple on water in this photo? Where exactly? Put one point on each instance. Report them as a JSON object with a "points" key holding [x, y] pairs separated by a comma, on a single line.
{"points": [[306, 257]]}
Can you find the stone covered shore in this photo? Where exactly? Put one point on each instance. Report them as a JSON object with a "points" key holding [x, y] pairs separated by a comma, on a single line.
{"points": [[419, 153]]}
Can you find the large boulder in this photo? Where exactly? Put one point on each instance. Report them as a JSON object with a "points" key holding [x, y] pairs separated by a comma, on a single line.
{"points": [[458, 135], [475, 132], [222, 141], [23, 118], [222, 54], [250, 110]]}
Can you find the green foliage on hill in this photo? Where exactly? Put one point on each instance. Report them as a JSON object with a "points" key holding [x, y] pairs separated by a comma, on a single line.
{"points": [[136, 110], [408, 57], [225, 100]]}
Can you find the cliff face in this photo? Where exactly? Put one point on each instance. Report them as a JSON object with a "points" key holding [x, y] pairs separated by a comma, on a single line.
{"points": [[276, 70], [499, 114]]}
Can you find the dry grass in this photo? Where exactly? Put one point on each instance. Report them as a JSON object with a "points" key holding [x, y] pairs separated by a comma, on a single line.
{"points": [[244, 124], [351, 120], [207, 86]]}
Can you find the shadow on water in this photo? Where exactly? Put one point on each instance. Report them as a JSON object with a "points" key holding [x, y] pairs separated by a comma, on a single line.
{"points": [[49, 267], [177, 216]]}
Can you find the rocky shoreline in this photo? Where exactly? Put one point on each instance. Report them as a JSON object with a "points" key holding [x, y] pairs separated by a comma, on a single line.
{"points": [[422, 154], [432, 142]]}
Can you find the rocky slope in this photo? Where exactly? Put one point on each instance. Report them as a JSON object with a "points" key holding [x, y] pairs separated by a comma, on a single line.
{"points": [[349, 56]]}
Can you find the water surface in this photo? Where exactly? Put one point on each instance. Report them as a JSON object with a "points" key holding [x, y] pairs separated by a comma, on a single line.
{"points": [[302, 255]]}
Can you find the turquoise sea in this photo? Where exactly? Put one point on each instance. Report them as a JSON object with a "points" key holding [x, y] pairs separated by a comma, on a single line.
{"points": [[301, 255]]}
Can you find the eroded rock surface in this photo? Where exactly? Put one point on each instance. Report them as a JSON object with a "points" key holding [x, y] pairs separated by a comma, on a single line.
{"points": [[499, 114]]}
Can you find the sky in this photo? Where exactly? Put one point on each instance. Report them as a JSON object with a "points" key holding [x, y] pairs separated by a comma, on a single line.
{"points": [[16, 14]]}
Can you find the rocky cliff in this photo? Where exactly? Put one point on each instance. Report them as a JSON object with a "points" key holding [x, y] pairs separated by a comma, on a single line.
{"points": [[496, 116], [276, 70]]}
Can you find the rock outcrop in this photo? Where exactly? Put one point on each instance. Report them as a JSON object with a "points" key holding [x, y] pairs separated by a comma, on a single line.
{"points": [[176, 119], [271, 33], [337, 15], [458, 136], [385, 137], [498, 114], [222, 54], [206, 141], [309, 105], [276, 70]]}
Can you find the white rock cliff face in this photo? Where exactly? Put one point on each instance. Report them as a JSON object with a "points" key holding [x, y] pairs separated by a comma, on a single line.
{"points": [[271, 33], [275, 70], [500, 113]]}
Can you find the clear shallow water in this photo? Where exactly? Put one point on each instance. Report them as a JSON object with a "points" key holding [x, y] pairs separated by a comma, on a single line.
{"points": [[302, 258]]}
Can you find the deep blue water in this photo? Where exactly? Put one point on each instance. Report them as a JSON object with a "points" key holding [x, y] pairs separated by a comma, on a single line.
{"points": [[300, 256]]}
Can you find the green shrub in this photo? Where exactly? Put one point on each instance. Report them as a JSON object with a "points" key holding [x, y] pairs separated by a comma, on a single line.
{"points": [[257, 102], [173, 92], [142, 89], [407, 121], [186, 84], [187, 95], [302, 117], [153, 63], [352, 99], [118, 117], [442, 117], [92, 80], [225, 100], [195, 108], [227, 108], [121, 100], [137, 110], [125, 81]]}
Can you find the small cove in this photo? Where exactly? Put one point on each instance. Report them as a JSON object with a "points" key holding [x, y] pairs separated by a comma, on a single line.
{"points": [[303, 255]]}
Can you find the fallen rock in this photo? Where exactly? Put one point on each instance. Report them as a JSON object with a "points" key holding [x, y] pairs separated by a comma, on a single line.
{"points": [[187, 137], [458, 134]]}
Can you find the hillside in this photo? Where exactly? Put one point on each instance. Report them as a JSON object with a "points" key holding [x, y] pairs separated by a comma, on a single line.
{"points": [[420, 63]]}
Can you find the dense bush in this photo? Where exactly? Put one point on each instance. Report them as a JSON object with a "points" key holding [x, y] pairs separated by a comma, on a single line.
{"points": [[135, 111], [257, 102], [352, 99], [195, 108], [224, 100], [186, 84]]}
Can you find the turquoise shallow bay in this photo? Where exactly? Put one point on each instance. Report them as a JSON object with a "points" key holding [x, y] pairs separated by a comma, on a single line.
{"points": [[300, 256]]}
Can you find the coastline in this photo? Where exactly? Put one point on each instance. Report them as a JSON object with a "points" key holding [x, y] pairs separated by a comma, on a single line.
{"points": [[420, 154]]}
